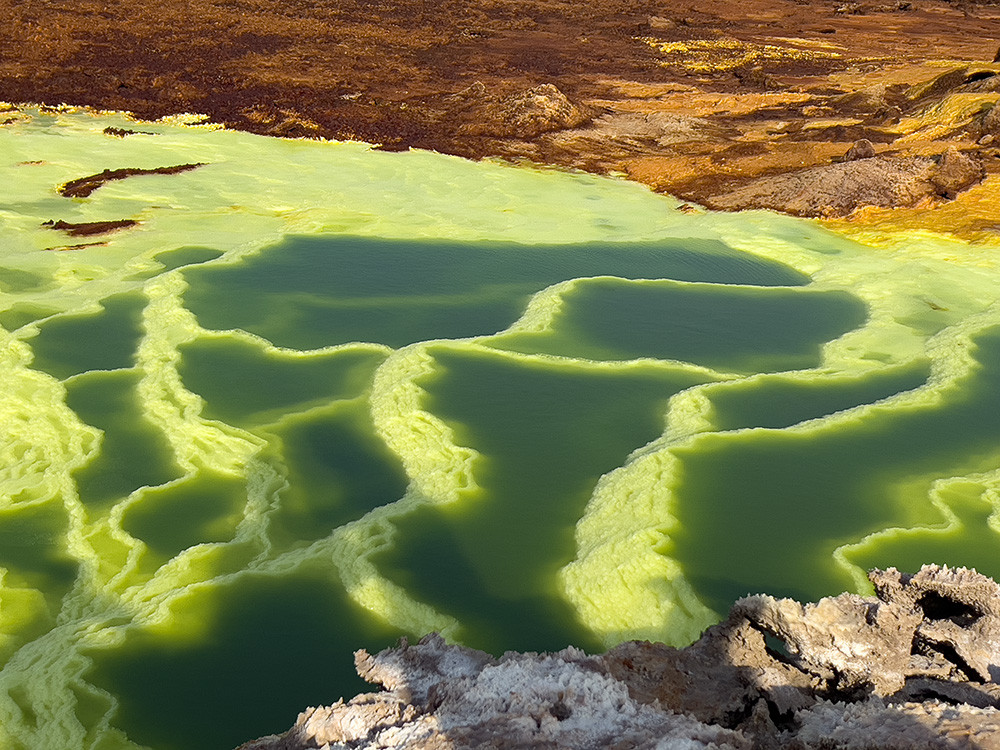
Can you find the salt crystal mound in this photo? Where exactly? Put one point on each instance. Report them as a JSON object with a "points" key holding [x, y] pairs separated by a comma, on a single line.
{"points": [[320, 396]]}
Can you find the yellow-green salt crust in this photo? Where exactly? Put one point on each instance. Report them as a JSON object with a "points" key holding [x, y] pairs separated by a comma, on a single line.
{"points": [[928, 297]]}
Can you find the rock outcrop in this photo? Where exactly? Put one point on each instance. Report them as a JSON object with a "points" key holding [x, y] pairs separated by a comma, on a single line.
{"points": [[524, 114], [916, 666], [862, 179]]}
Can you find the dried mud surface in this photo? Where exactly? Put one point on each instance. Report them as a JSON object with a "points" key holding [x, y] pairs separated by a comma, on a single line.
{"points": [[917, 666], [726, 104]]}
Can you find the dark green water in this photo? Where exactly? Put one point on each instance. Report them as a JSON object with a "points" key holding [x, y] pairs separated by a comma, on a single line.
{"points": [[275, 480], [808, 492], [240, 442], [102, 340], [728, 328], [320, 292], [758, 509], [493, 562], [258, 651]]}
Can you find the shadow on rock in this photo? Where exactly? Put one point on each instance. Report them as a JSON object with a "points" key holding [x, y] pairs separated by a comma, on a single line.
{"points": [[916, 666]]}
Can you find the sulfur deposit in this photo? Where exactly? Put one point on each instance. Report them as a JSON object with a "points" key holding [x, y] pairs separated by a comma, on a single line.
{"points": [[270, 399], [248, 376]]}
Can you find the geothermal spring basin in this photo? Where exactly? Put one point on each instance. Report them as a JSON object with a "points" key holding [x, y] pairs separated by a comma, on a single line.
{"points": [[321, 396]]}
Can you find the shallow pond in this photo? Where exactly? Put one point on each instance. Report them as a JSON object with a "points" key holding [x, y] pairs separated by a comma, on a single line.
{"points": [[321, 396]]}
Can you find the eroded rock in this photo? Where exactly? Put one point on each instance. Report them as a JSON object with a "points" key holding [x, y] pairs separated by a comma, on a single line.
{"points": [[524, 114], [955, 172], [860, 179], [466, 699], [991, 121], [860, 149], [916, 666], [838, 189]]}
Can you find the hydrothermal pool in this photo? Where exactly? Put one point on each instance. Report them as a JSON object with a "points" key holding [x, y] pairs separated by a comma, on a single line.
{"points": [[321, 396]]}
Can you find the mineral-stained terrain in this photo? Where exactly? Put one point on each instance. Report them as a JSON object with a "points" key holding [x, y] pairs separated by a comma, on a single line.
{"points": [[916, 666], [875, 111], [732, 105]]}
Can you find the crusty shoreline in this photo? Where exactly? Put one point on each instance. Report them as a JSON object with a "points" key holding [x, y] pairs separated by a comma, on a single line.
{"points": [[917, 666], [730, 105]]}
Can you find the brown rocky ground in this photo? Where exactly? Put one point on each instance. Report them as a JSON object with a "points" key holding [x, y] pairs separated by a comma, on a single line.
{"points": [[726, 104]]}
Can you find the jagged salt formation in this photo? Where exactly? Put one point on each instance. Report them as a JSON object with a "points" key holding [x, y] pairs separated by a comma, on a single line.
{"points": [[916, 666]]}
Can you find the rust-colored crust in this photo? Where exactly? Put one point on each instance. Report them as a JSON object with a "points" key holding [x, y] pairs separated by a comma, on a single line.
{"points": [[698, 99], [84, 186], [90, 228]]}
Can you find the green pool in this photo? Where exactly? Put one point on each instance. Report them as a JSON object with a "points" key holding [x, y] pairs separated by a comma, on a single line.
{"points": [[321, 396]]}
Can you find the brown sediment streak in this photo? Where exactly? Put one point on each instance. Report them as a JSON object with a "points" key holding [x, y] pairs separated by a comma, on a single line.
{"points": [[84, 186], [89, 228], [64, 248], [125, 132]]}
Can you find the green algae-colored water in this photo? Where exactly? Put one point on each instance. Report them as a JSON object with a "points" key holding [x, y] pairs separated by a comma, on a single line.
{"points": [[322, 396]]}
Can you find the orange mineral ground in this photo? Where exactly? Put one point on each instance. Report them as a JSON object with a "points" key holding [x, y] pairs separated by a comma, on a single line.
{"points": [[731, 105]]}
